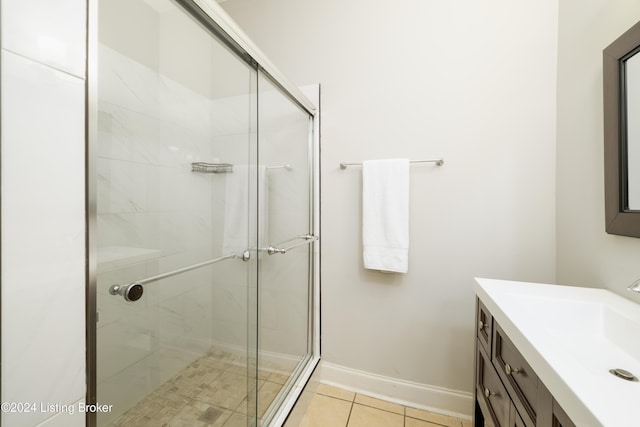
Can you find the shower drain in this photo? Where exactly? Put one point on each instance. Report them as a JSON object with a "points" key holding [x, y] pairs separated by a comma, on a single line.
{"points": [[625, 375]]}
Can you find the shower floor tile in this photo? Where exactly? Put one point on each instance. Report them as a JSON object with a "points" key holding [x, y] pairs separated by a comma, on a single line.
{"points": [[212, 391], [200, 414]]}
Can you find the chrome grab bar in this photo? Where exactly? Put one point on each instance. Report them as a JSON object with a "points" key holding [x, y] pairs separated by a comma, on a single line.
{"points": [[133, 291], [309, 238]]}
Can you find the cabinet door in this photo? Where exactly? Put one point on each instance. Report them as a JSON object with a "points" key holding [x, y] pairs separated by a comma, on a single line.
{"points": [[518, 377], [492, 396], [515, 420]]}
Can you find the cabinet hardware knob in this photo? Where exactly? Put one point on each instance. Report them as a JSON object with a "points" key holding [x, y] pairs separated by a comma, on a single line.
{"points": [[511, 371], [488, 393], [481, 324]]}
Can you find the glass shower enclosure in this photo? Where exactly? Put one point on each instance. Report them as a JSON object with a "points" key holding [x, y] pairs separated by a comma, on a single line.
{"points": [[202, 228]]}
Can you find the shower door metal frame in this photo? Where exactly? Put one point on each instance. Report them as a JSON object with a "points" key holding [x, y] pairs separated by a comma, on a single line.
{"points": [[216, 20], [304, 371]]}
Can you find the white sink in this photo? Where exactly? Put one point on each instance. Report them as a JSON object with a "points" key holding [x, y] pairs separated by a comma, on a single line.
{"points": [[572, 337], [578, 325]]}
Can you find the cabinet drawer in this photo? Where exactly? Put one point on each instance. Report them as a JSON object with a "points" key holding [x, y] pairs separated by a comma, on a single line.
{"points": [[516, 374], [491, 391], [483, 326]]}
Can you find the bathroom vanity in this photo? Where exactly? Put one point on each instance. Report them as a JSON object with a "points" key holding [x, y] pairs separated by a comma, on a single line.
{"points": [[544, 355], [508, 391]]}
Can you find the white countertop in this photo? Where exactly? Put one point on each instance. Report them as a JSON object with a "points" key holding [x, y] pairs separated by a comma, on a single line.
{"points": [[571, 337]]}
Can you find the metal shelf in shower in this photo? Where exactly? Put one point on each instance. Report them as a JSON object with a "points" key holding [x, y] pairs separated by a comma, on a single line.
{"points": [[204, 167]]}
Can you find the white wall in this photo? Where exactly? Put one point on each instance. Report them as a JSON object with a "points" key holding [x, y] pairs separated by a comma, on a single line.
{"points": [[473, 82], [43, 239], [587, 255], [460, 79]]}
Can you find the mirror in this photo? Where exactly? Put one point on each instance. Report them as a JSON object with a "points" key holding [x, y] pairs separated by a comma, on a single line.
{"points": [[621, 78], [632, 85]]}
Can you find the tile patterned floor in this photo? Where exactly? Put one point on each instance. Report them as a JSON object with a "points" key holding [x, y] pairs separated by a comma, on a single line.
{"points": [[212, 392], [329, 406]]}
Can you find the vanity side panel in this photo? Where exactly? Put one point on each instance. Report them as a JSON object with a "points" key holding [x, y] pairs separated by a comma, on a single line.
{"points": [[478, 419]]}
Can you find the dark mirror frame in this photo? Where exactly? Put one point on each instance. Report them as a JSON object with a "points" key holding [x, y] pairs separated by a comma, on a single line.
{"points": [[620, 219]]}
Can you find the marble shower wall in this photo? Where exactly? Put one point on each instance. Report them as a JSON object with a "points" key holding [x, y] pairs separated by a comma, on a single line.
{"points": [[43, 235]]}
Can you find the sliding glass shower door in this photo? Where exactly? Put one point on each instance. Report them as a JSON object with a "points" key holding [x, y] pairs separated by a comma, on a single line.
{"points": [[176, 212], [284, 338], [203, 226]]}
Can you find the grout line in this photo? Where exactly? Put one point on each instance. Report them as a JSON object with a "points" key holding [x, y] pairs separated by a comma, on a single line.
{"points": [[334, 397], [430, 422], [404, 408], [349, 417], [380, 409]]}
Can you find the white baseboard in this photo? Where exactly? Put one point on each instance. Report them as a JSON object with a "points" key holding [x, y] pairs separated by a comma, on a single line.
{"points": [[422, 396]]}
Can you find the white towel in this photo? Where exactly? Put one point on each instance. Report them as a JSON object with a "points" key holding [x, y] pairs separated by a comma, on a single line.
{"points": [[240, 213], [385, 215]]}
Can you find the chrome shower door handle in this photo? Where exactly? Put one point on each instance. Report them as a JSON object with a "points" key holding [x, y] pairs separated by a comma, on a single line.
{"points": [[131, 292], [307, 239], [272, 251]]}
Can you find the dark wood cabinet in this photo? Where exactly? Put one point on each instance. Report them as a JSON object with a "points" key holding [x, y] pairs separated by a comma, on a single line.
{"points": [[490, 391], [507, 391], [516, 374]]}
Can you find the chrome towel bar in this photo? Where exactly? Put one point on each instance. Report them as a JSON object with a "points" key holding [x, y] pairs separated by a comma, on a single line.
{"points": [[438, 162]]}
